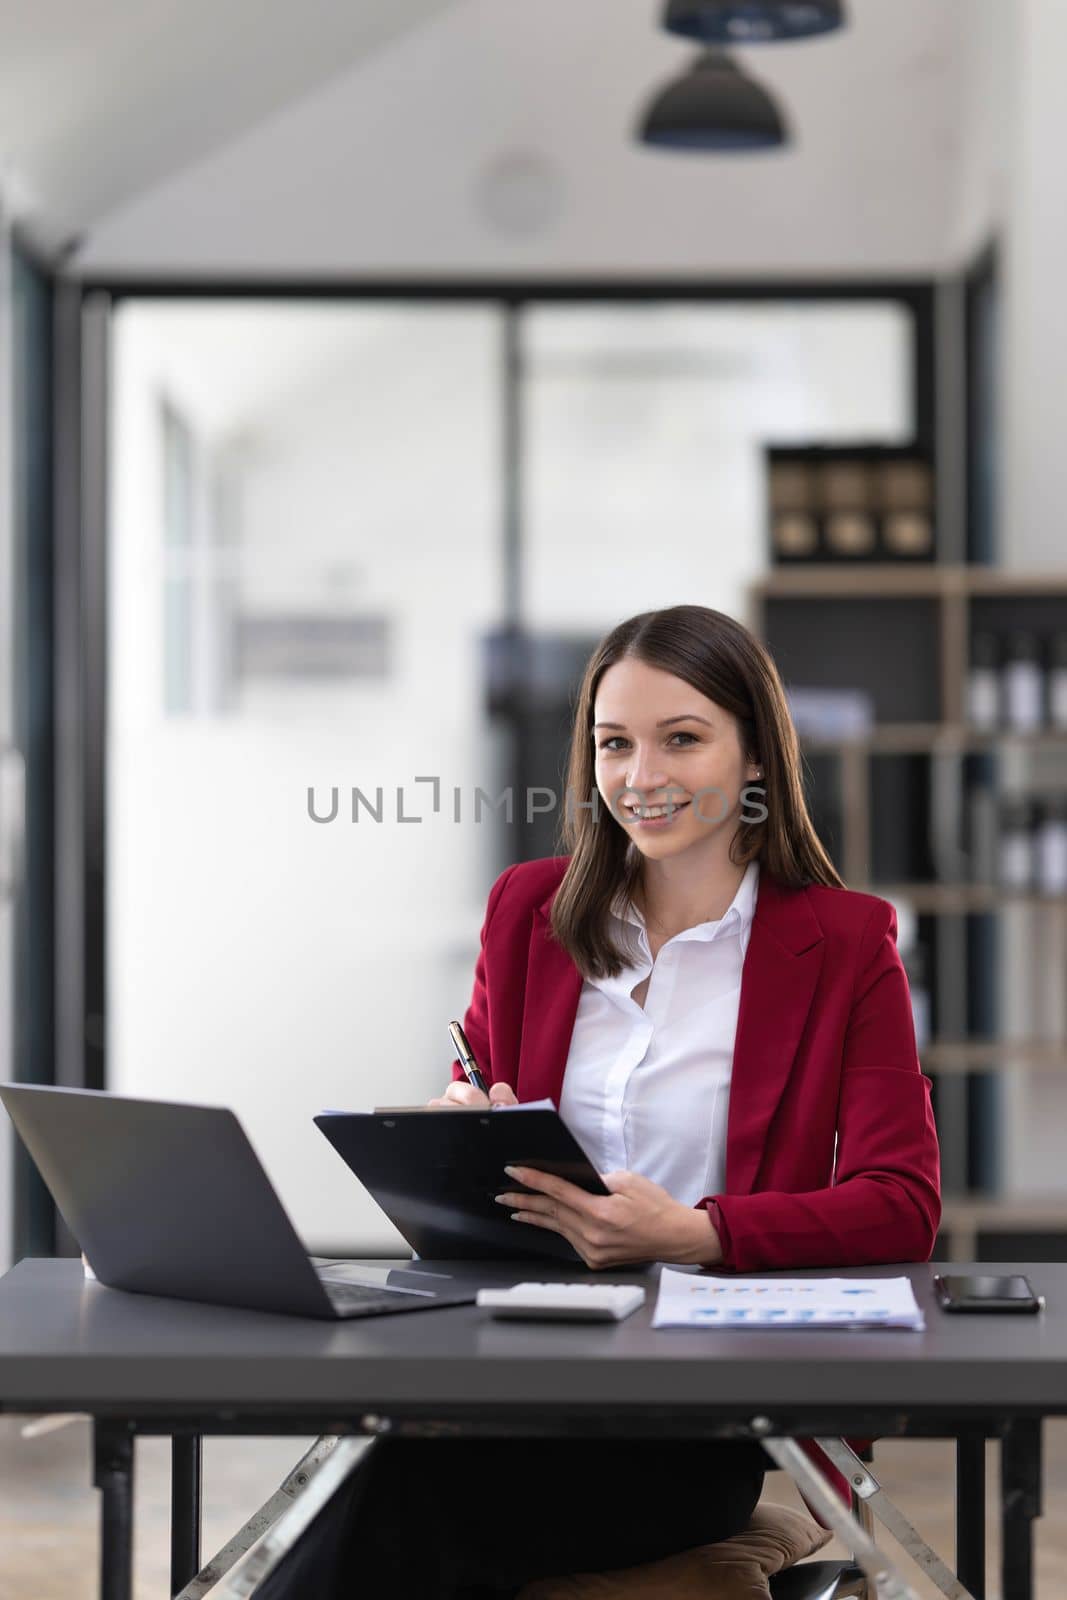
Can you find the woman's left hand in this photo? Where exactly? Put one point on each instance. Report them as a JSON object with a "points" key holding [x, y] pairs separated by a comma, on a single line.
{"points": [[637, 1221]]}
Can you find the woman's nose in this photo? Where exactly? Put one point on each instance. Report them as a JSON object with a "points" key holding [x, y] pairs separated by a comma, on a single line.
{"points": [[644, 774]]}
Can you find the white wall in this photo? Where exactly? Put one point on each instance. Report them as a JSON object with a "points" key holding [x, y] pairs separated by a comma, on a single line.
{"points": [[8, 1067], [984, 135], [1035, 323], [1026, 98]]}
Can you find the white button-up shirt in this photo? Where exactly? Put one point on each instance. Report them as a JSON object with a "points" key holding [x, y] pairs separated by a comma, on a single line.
{"points": [[647, 1090]]}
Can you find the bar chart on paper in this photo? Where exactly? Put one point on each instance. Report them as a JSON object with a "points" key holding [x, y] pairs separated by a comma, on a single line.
{"points": [[688, 1301]]}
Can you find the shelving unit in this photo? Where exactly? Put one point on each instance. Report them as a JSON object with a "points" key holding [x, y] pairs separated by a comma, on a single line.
{"points": [[1038, 1218], [993, 1055], [964, 898], [920, 738], [902, 634]]}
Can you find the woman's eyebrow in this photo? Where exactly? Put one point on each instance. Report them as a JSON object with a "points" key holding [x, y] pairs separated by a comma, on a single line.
{"points": [[687, 716]]}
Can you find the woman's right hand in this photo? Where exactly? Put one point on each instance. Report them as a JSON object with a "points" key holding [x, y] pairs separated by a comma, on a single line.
{"points": [[463, 1096]]}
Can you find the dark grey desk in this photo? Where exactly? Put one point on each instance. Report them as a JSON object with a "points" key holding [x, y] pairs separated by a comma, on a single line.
{"points": [[149, 1365]]}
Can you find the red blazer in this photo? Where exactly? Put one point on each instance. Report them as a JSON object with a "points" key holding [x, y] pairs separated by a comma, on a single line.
{"points": [[824, 1053], [824, 1050]]}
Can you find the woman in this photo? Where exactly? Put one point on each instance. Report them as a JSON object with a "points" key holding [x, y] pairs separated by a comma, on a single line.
{"points": [[728, 1032]]}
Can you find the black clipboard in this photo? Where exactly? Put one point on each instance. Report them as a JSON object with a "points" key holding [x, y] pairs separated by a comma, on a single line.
{"points": [[435, 1173]]}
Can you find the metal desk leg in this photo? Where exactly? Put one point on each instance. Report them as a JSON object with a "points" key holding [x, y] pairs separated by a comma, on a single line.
{"points": [[866, 1488], [1020, 1503], [337, 1460], [185, 1503], [970, 1513], [113, 1476]]}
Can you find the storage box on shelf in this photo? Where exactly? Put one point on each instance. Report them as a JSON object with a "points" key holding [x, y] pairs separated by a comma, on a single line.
{"points": [[950, 799], [850, 503]]}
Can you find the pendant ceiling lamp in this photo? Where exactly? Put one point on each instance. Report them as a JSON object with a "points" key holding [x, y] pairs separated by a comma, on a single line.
{"points": [[752, 21], [714, 106]]}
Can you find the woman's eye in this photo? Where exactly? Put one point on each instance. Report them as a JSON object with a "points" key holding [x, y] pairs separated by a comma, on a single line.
{"points": [[606, 744]]}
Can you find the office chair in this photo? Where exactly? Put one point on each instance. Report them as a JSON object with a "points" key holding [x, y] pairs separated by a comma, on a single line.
{"points": [[828, 1580], [820, 1580]]}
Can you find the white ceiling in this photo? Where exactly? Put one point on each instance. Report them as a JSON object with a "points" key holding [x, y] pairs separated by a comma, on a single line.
{"points": [[419, 137], [99, 100]]}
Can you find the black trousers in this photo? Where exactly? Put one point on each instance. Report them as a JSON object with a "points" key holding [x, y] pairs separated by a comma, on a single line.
{"points": [[456, 1519]]}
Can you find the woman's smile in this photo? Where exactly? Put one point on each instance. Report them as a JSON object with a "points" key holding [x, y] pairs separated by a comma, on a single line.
{"points": [[641, 815]]}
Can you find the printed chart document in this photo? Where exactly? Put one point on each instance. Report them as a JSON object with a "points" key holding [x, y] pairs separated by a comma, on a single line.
{"points": [[687, 1300]]}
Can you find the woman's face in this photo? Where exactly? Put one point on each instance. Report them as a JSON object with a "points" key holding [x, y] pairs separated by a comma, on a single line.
{"points": [[657, 739]]}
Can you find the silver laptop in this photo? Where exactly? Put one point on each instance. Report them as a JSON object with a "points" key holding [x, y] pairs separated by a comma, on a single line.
{"points": [[172, 1200]]}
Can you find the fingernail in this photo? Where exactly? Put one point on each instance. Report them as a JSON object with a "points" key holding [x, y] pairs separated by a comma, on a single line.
{"points": [[512, 1172]]}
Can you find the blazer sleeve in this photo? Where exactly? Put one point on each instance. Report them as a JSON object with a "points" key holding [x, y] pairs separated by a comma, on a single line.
{"points": [[476, 1017], [884, 1204]]}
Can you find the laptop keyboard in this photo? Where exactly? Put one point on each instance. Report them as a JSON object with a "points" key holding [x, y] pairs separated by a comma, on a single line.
{"points": [[363, 1300]]}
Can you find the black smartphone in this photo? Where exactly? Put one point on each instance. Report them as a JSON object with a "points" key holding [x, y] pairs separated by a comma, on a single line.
{"points": [[986, 1294]]}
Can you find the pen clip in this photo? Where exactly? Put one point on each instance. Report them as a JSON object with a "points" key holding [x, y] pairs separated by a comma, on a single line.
{"points": [[466, 1056], [459, 1039]]}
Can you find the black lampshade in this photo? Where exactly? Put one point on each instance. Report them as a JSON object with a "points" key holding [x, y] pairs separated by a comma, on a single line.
{"points": [[752, 21], [714, 106]]}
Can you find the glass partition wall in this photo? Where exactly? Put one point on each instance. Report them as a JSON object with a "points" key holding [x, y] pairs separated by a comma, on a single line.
{"points": [[357, 552], [304, 556]]}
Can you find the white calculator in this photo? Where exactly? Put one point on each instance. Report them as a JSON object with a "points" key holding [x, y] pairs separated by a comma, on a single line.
{"points": [[563, 1302]]}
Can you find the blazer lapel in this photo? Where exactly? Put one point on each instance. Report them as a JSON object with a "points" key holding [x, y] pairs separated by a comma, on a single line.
{"points": [[553, 988], [778, 979]]}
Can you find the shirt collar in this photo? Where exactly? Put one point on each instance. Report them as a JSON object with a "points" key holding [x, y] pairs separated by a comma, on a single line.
{"points": [[739, 914]]}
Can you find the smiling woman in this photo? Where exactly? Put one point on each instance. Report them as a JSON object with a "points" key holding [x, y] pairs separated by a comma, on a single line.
{"points": [[727, 1031], [725, 1028]]}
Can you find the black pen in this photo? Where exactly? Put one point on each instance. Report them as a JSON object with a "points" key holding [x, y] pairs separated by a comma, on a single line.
{"points": [[466, 1057]]}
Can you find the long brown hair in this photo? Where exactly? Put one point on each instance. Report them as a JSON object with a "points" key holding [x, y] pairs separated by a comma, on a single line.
{"points": [[726, 664]]}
